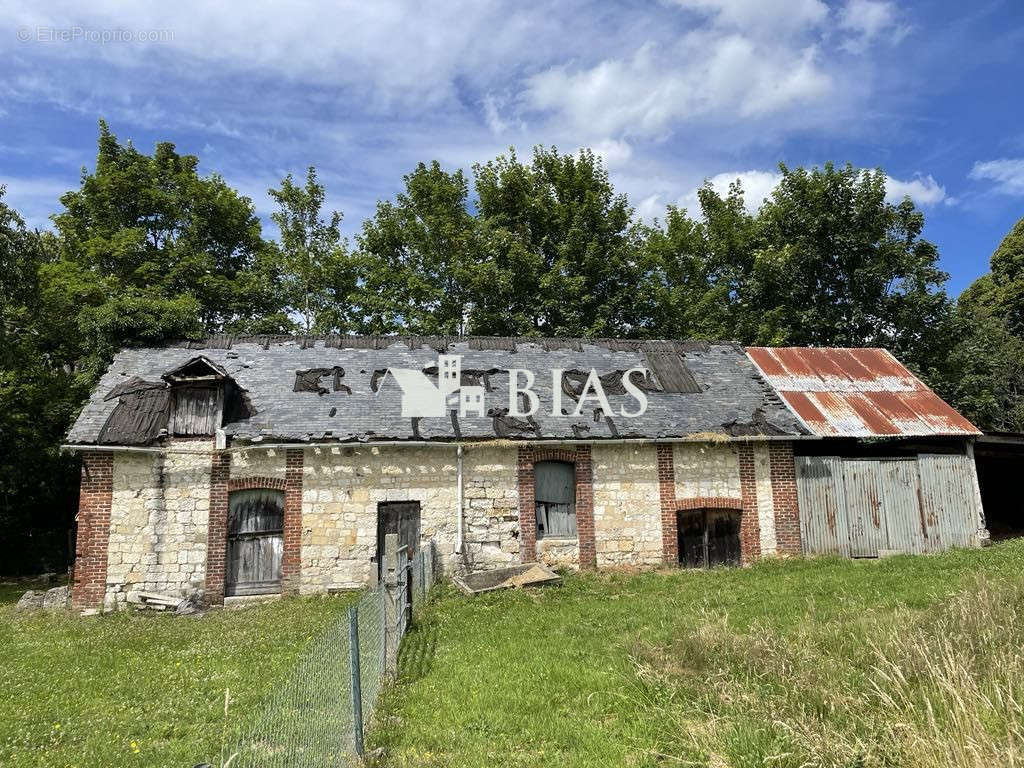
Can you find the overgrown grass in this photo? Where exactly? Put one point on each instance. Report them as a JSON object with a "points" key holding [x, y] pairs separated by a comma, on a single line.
{"points": [[142, 690], [909, 661]]}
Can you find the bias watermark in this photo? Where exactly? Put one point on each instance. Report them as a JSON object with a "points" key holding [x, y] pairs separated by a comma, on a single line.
{"points": [[422, 398]]}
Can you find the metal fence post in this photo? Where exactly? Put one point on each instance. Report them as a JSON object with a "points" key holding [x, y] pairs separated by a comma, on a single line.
{"points": [[357, 692], [391, 600], [423, 575]]}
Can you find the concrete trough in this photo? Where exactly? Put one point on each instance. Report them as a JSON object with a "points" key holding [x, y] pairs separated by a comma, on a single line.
{"points": [[526, 575]]}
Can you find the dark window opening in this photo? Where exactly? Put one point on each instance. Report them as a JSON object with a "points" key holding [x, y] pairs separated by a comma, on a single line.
{"points": [[709, 537], [255, 542], [403, 518], [555, 497]]}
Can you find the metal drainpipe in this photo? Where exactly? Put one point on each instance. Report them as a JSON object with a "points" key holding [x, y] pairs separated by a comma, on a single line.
{"points": [[458, 500]]}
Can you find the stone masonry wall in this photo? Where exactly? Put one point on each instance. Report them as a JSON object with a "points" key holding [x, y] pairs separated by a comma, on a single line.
{"points": [[158, 522], [342, 487], [627, 512], [258, 462], [765, 500], [706, 470]]}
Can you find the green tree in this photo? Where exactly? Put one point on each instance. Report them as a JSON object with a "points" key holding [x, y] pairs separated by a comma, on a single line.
{"points": [[317, 275], [837, 265], [564, 254], [37, 401], [985, 368], [704, 267], [152, 250], [417, 255]]}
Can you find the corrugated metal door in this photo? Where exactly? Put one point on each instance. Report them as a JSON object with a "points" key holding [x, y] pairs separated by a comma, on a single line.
{"points": [[901, 506], [861, 479], [863, 507], [948, 501], [824, 527]]}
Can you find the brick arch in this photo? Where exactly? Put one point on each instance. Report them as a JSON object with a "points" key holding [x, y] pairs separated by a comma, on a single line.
{"points": [[710, 502], [250, 483], [580, 458], [567, 455], [746, 504]]}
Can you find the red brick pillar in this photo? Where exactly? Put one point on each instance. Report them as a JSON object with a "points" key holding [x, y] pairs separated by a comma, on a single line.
{"points": [[787, 509], [527, 506], [585, 507], [750, 529], [94, 503], [217, 527], [291, 558], [667, 493]]}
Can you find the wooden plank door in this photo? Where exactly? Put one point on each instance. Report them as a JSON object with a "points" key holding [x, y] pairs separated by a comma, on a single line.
{"points": [[255, 542], [403, 518]]}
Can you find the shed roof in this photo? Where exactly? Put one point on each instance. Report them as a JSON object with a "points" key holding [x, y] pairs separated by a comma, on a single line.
{"points": [[334, 388], [856, 393]]}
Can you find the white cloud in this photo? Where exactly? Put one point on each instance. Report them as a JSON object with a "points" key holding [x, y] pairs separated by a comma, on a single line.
{"points": [[492, 115], [923, 190], [868, 21], [705, 75], [35, 198], [757, 186], [1007, 174], [614, 153], [761, 16]]}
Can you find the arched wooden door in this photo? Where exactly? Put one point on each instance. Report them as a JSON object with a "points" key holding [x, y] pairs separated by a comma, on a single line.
{"points": [[255, 542]]}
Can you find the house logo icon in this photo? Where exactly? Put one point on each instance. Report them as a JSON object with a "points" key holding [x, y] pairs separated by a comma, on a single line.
{"points": [[421, 398]]}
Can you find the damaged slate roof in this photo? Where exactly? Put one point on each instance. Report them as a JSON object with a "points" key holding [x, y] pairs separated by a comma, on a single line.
{"points": [[305, 389]]}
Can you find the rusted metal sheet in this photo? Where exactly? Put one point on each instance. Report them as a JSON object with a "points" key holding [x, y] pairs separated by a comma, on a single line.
{"points": [[863, 502], [824, 527], [900, 505], [948, 499], [856, 393], [868, 507]]}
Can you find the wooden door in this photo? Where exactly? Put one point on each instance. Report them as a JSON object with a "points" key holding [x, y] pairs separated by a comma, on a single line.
{"points": [[403, 518], [708, 537], [255, 542]]}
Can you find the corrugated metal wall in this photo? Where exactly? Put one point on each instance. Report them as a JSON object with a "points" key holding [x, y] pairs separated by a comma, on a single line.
{"points": [[867, 507]]}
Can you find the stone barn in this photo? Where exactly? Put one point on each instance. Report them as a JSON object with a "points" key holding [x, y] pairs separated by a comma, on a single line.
{"points": [[256, 465]]}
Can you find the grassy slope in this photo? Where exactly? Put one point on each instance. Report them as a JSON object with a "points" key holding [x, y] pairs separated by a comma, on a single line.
{"points": [[141, 690], [769, 665]]}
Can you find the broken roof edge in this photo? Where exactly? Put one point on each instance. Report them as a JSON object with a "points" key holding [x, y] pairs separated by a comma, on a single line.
{"points": [[240, 444], [507, 343]]}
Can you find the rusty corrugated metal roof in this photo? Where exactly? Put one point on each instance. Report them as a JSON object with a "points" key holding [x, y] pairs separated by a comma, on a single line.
{"points": [[856, 393]]}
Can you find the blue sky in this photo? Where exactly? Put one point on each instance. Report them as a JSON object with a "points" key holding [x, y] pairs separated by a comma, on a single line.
{"points": [[671, 93]]}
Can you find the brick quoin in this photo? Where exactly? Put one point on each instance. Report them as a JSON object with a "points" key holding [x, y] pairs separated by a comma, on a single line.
{"points": [[582, 461], [750, 530], [527, 506], [217, 527], [291, 558], [585, 508], [94, 502], [667, 494], [784, 498]]}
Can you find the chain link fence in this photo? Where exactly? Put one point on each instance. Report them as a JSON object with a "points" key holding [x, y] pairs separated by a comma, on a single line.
{"points": [[318, 714]]}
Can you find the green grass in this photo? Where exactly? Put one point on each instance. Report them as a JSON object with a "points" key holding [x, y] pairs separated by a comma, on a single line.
{"points": [[141, 690], [904, 661]]}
